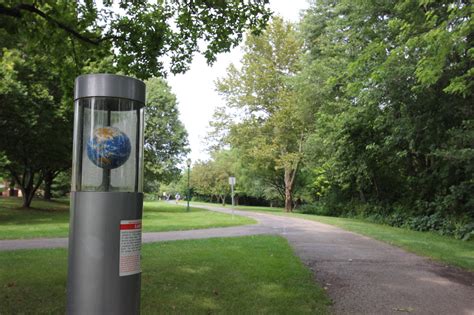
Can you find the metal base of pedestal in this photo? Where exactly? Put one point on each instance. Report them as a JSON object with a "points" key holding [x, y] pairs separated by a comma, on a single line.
{"points": [[94, 284]]}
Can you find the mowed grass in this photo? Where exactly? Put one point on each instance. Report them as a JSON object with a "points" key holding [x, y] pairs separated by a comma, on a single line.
{"points": [[243, 275], [45, 219], [441, 248], [51, 218], [162, 216]]}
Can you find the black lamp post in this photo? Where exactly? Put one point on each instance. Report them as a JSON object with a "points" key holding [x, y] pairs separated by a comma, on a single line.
{"points": [[188, 163]]}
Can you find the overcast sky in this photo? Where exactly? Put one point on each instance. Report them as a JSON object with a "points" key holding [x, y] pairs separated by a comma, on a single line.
{"points": [[195, 89]]}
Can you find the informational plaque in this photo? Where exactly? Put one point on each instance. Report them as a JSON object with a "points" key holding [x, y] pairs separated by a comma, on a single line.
{"points": [[130, 247]]}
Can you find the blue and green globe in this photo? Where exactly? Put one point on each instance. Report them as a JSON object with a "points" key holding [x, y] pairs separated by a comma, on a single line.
{"points": [[108, 147]]}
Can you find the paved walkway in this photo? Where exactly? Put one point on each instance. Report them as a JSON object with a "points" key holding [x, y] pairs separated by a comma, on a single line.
{"points": [[361, 275]]}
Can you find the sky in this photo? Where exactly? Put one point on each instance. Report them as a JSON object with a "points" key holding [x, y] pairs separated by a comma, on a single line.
{"points": [[195, 89]]}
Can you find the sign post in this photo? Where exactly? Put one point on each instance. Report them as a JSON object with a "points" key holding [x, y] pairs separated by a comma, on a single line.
{"points": [[188, 198], [104, 272]]}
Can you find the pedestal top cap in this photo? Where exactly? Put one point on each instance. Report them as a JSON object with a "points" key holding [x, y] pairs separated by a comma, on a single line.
{"points": [[109, 85]]}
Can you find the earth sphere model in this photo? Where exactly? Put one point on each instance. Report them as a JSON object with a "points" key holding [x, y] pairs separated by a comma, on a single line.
{"points": [[108, 147]]}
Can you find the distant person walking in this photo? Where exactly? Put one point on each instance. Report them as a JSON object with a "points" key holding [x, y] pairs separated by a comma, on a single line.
{"points": [[177, 197]]}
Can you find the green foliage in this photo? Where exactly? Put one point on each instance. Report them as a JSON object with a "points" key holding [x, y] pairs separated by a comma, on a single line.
{"points": [[383, 95], [46, 44], [211, 178], [61, 185], [165, 136], [140, 33], [178, 185], [390, 88], [314, 208], [33, 115], [268, 130], [397, 216], [38, 66]]}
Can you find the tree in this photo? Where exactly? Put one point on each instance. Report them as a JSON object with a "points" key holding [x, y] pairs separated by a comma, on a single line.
{"points": [[211, 178], [46, 44], [39, 64], [37, 141], [271, 130], [397, 94], [165, 137], [141, 33]]}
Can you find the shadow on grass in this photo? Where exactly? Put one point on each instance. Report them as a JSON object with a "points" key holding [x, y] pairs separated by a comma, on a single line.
{"points": [[254, 275], [15, 203], [245, 275], [41, 212]]}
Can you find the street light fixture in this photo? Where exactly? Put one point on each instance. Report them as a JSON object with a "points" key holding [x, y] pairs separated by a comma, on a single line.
{"points": [[188, 163]]}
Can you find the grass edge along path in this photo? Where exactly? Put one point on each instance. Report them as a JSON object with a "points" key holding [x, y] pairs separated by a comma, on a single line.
{"points": [[241, 275], [49, 219], [439, 248]]}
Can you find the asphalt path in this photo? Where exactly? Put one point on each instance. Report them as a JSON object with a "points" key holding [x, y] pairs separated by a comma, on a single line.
{"points": [[361, 275]]}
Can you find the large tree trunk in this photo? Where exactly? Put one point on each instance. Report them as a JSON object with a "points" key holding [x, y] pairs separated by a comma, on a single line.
{"points": [[289, 178], [48, 182], [288, 200]]}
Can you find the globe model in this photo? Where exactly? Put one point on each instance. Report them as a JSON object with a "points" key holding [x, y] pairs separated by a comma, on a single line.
{"points": [[108, 147]]}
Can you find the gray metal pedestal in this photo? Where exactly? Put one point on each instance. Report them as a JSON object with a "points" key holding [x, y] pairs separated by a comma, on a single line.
{"points": [[94, 284]]}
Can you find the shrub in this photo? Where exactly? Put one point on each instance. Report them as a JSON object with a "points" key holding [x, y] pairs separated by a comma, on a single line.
{"points": [[464, 230], [426, 223], [316, 208], [399, 216]]}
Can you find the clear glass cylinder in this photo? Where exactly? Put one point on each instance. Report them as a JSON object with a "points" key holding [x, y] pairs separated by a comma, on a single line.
{"points": [[108, 145]]}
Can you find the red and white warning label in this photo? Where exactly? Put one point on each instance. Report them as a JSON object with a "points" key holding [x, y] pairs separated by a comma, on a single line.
{"points": [[130, 247]]}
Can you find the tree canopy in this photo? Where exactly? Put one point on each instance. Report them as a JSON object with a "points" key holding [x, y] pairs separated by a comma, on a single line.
{"points": [[270, 130], [37, 141], [381, 98], [140, 34], [165, 137], [46, 44]]}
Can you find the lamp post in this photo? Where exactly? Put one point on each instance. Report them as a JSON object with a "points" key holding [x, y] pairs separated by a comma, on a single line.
{"points": [[232, 183], [188, 163]]}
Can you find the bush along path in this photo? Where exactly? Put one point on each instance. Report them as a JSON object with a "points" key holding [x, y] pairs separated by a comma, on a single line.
{"points": [[361, 275]]}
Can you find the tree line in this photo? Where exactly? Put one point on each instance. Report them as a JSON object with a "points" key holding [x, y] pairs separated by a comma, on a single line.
{"points": [[363, 108], [46, 44]]}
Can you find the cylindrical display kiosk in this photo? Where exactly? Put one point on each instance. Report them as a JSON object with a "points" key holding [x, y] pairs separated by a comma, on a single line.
{"points": [[106, 196]]}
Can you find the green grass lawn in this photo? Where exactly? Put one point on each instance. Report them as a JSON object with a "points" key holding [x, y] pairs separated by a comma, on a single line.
{"points": [[243, 275], [51, 218], [162, 216], [438, 247]]}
